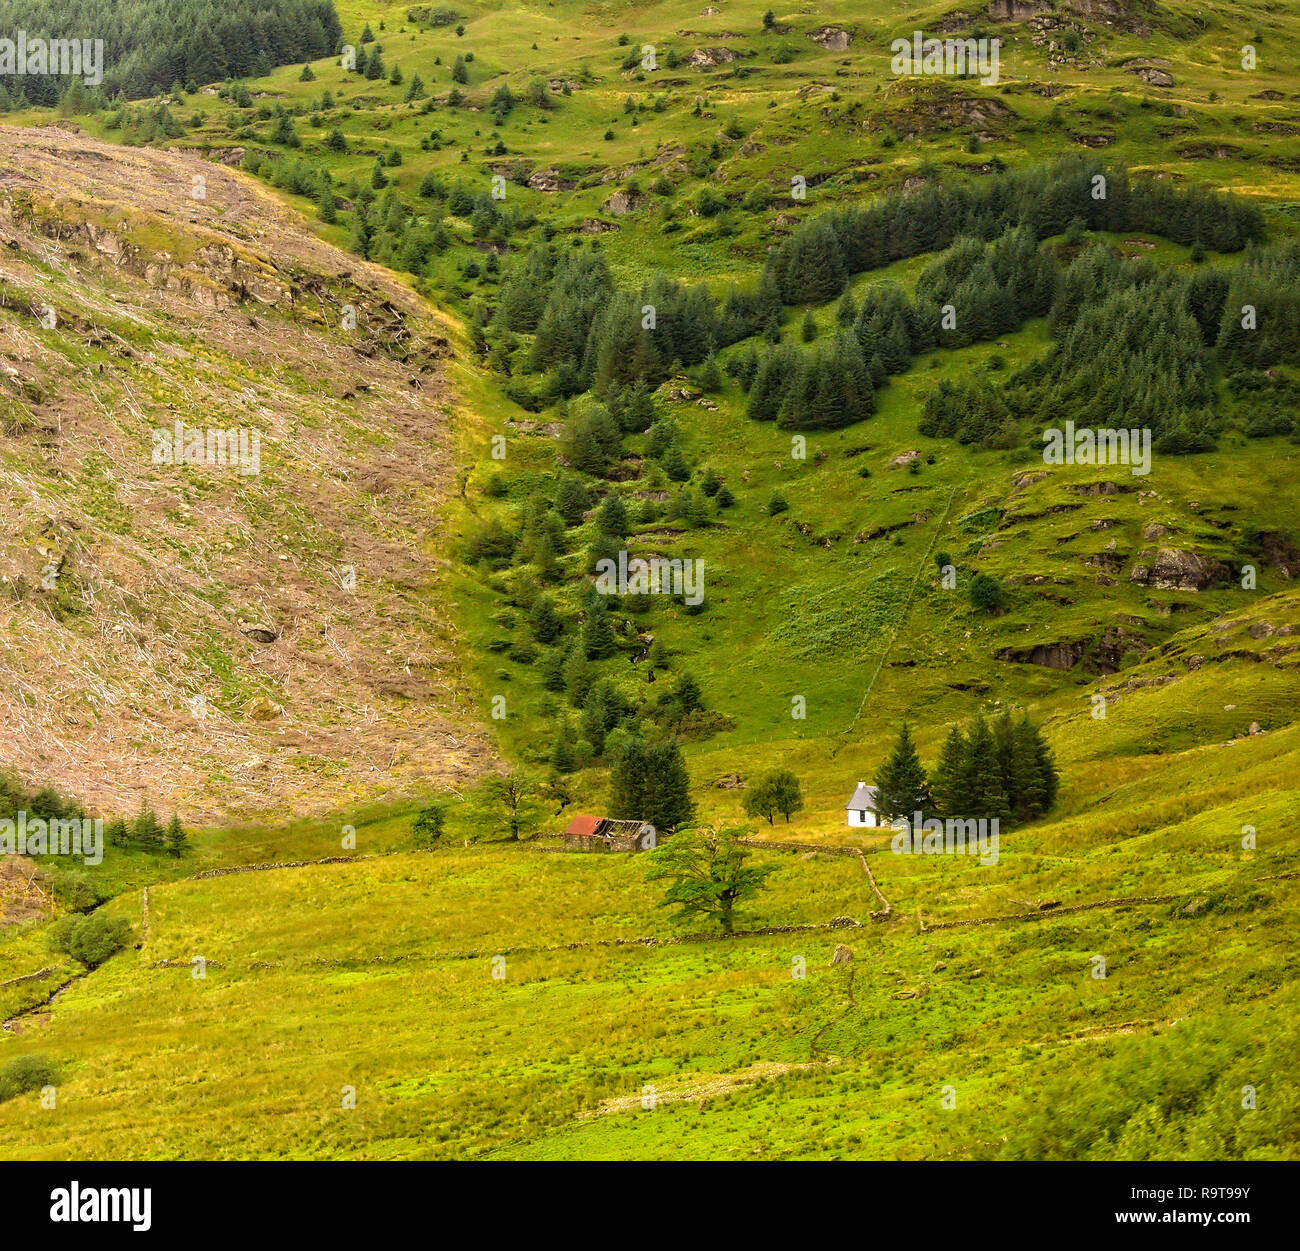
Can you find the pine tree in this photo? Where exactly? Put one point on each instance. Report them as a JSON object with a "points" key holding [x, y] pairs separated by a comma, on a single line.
{"points": [[545, 620], [562, 753], [900, 785], [177, 840], [947, 777], [598, 639], [983, 795], [688, 694], [146, 832], [611, 517]]}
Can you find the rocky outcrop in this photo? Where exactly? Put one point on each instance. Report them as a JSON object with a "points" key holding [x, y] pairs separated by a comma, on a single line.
{"points": [[550, 180], [622, 202], [1153, 75], [832, 38], [1175, 569], [1103, 654], [707, 58]]}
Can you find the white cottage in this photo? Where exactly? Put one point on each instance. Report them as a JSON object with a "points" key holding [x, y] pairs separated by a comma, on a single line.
{"points": [[862, 807]]}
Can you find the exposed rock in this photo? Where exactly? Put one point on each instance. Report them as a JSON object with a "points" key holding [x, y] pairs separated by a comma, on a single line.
{"points": [[1254, 728], [1103, 654], [730, 782], [259, 708], [1203, 150], [550, 180], [1015, 10], [261, 634], [832, 38], [905, 458], [622, 202], [1027, 477], [842, 954], [1278, 551], [1173, 569], [707, 58], [1100, 488], [1153, 76]]}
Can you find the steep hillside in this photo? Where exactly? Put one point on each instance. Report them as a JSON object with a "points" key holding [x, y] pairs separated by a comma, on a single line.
{"points": [[192, 633]]}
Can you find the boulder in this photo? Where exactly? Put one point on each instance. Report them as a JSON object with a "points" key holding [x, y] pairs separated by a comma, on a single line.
{"points": [[832, 38]]}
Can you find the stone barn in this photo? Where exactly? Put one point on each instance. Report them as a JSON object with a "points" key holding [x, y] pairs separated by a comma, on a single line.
{"points": [[608, 834]]}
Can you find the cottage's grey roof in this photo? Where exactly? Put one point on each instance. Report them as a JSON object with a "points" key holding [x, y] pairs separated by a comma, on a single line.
{"points": [[863, 798]]}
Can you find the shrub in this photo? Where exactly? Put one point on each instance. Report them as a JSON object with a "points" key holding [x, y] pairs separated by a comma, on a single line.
{"points": [[429, 825], [92, 939], [986, 593], [27, 1073]]}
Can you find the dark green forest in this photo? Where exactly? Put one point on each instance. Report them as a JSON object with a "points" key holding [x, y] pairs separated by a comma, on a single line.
{"points": [[152, 45]]}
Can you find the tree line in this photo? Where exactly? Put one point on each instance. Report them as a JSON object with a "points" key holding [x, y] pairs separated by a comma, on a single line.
{"points": [[150, 47], [1005, 770], [816, 262]]}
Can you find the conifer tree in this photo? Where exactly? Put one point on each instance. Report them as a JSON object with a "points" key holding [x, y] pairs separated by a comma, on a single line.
{"points": [[947, 776], [146, 832], [901, 784], [982, 793], [177, 839], [545, 620], [598, 639], [611, 516]]}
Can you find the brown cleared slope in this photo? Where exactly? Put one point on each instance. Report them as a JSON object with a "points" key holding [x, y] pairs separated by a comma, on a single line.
{"points": [[221, 312]]}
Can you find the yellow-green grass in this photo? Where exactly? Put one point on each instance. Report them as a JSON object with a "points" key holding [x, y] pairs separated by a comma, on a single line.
{"points": [[379, 976]]}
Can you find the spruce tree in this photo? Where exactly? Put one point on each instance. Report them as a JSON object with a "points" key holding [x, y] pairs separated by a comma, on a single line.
{"points": [[982, 778], [947, 776], [611, 517], [562, 753], [545, 620], [177, 840], [571, 500], [146, 832], [598, 639], [688, 694], [900, 784]]}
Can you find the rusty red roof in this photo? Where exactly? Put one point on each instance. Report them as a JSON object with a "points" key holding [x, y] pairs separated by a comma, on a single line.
{"points": [[584, 825]]}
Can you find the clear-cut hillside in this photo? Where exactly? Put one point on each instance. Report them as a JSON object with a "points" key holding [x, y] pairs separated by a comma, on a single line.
{"points": [[223, 642]]}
